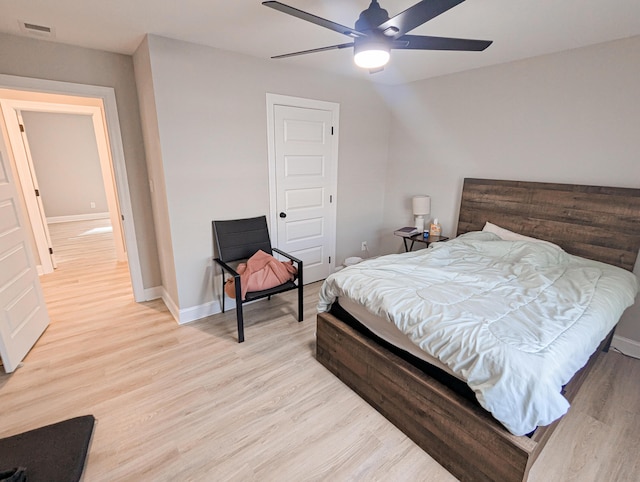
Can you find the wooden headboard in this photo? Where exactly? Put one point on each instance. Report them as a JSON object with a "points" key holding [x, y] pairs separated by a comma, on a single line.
{"points": [[600, 223]]}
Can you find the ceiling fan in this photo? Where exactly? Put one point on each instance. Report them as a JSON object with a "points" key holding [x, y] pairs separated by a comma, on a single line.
{"points": [[375, 34]]}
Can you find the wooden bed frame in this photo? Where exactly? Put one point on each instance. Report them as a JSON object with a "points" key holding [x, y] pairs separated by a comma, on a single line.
{"points": [[600, 223]]}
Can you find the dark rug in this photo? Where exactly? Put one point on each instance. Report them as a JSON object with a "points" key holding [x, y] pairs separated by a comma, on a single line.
{"points": [[55, 453]]}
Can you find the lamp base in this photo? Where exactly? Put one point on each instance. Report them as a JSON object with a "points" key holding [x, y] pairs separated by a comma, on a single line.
{"points": [[419, 223]]}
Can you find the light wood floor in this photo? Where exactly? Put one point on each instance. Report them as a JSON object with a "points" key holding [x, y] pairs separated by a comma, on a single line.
{"points": [[189, 403], [83, 242]]}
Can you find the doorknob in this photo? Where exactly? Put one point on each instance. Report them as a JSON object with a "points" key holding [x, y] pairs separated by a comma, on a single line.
{"points": [[283, 215]]}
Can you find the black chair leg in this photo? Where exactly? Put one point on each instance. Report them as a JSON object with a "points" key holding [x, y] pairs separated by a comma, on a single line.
{"points": [[300, 303], [239, 310], [300, 294], [223, 295], [240, 323]]}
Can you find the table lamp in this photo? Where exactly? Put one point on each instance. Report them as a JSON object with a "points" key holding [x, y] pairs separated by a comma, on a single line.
{"points": [[421, 207]]}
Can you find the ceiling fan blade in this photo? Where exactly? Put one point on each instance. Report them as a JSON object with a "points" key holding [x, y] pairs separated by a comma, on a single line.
{"points": [[415, 16], [281, 7], [423, 42], [321, 49]]}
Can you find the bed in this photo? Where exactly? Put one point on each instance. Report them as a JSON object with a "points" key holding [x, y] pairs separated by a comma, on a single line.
{"points": [[596, 223]]}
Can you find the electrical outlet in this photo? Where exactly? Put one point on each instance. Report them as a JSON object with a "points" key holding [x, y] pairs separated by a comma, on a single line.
{"points": [[93, 205], [363, 246]]}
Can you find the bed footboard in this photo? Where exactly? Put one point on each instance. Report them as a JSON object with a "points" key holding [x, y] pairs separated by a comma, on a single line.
{"points": [[460, 436]]}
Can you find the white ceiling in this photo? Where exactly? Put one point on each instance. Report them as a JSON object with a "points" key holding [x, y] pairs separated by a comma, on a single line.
{"points": [[518, 28]]}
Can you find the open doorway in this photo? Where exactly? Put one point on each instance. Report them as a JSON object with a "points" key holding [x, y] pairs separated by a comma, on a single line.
{"points": [[100, 103], [21, 298], [67, 169], [68, 144]]}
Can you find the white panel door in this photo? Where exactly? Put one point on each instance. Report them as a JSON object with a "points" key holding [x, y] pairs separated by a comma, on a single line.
{"points": [[47, 244], [303, 163], [26, 178], [23, 313]]}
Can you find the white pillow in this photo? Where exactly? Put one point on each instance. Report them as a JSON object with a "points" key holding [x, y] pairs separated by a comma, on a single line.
{"points": [[507, 235]]}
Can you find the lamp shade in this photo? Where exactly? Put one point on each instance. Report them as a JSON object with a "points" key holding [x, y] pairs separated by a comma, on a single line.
{"points": [[421, 205]]}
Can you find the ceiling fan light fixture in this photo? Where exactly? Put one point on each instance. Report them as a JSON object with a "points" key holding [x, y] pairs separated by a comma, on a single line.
{"points": [[371, 55], [375, 34]]}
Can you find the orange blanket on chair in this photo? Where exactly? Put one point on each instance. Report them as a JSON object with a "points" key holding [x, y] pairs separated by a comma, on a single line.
{"points": [[262, 271]]}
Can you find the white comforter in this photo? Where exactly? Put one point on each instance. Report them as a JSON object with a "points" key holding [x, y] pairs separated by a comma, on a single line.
{"points": [[515, 319]]}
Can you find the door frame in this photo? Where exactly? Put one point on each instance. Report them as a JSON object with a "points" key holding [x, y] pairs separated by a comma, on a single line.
{"points": [[10, 107], [289, 101], [107, 103]]}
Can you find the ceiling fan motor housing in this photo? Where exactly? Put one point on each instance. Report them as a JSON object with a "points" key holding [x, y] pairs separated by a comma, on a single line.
{"points": [[375, 34], [375, 40], [370, 18]]}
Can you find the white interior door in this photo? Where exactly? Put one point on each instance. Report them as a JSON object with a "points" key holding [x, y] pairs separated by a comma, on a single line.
{"points": [[305, 187], [23, 313], [26, 177], [42, 217]]}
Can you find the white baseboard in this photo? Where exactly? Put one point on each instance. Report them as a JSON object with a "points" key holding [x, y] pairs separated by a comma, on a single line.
{"points": [[207, 309], [171, 305], [187, 315], [153, 293], [76, 217], [626, 346], [194, 313]]}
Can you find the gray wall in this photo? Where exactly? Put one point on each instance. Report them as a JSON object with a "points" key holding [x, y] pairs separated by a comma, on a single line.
{"points": [[54, 61], [570, 117], [211, 142], [155, 167], [65, 156]]}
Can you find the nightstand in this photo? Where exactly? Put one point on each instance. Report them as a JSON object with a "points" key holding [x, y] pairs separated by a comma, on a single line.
{"points": [[419, 238]]}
